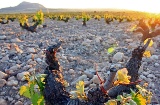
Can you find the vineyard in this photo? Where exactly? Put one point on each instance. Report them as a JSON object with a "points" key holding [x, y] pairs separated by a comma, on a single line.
{"points": [[80, 58]]}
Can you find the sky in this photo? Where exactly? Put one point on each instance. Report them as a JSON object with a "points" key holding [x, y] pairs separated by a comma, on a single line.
{"points": [[140, 5]]}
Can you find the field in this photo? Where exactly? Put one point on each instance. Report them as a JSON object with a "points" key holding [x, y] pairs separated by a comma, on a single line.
{"points": [[23, 52]]}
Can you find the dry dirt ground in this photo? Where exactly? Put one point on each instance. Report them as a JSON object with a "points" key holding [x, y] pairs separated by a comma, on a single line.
{"points": [[22, 51]]}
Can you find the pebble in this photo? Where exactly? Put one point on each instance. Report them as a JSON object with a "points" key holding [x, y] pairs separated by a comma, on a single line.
{"points": [[39, 60], [15, 48], [118, 56], [17, 96], [142, 77], [71, 71], [151, 76], [31, 70], [79, 79], [2, 82], [129, 40], [27, 67], [8, 71], [4, 59], [156, 64], [145, 73], [154, 57], [18, 103], [89, 74], [15, 40], [151, 85], [31, 50], [12, 83], [2, 37], [10, 99], [132, 45], [20, 76], [148, 80], [92, 85], [151, 49], [11, 78], [15, 68], [3, 102], [95, 79], [2, 75], [141, 69]]}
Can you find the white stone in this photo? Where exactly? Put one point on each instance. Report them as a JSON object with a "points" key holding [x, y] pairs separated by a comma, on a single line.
{"points": [[151, 85], [92, 85], [156, 64], [95, 79], [4, 59], [145, 73], [129, 40], [151, 49], [39, 60], [98, 39], [154, 57], [118, 56], [89, 74], [18, 103], [2, 37], [27, 67], [11, 78], [132, 46], [141, 69], [86, 42], [148, 80], [8, 71], [3, 102], [12, 83], [71, 71], [15, 40], [14, 68], [2, 75], [151, 76], [143, 77], [31, 50], [31, 70], [2, 82]]}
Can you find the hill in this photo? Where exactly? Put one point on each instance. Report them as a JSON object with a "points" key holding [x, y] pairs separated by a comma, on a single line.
{"points": [[23, 7]]}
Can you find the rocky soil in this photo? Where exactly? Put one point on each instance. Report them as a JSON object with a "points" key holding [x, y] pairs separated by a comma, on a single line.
{"points": [[22, 52]]}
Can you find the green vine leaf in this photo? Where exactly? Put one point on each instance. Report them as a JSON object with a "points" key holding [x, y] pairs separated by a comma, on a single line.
{"points": [[111, 50]]}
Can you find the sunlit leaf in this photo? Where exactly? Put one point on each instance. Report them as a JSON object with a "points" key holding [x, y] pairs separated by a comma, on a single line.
{"points": [[122, 76], [151, 42], [34, 98], [40, 101], [133, 28], [80, 87], [80, 90], [111, 50], [24, 90], [147, 54], [145, 93], [140, 100]]}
